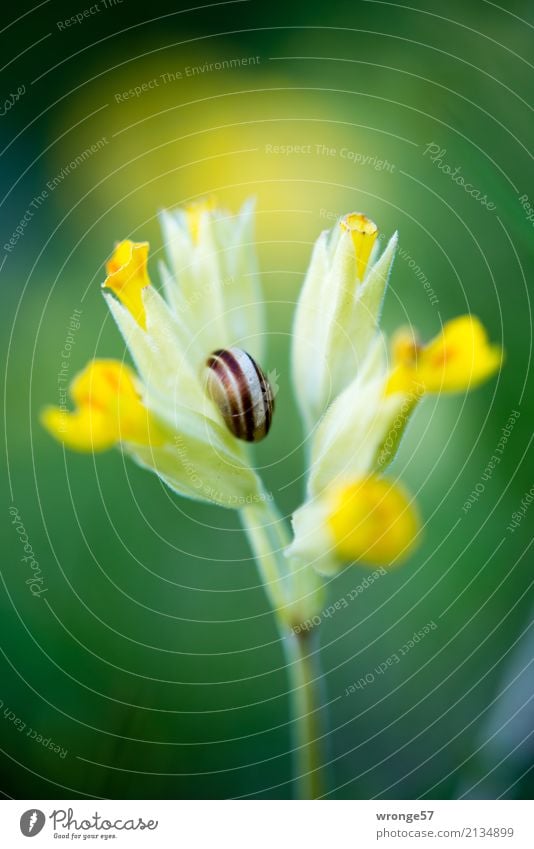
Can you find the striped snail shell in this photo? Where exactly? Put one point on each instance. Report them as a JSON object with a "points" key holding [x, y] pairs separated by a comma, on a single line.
{"points": [[241, 391]]}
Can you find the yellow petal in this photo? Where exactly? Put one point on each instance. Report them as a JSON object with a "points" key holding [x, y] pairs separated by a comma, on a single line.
{"points": [[405, 346], [85, 430], [401, 379], [128, 276], [373, 521], [363, 233], [108, 410], [404, 351], [458, 359], [194, 212], [103, 381]]}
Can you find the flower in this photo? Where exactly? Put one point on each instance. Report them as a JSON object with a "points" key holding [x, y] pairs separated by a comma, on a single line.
{"points": [[356, 408], [370, 520], [211, 278], [338, 312], [109, 410], [127, 277], [164, 418], [457, 359], [363, 233]]}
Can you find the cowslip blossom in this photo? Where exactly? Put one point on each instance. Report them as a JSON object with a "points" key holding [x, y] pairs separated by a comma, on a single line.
{"points": [[337, 312], [163, 416], [198, 392], [356, 400], [356, 393]]}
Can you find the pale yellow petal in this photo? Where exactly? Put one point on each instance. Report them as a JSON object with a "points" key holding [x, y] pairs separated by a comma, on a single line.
{"points": [[194, 213]]}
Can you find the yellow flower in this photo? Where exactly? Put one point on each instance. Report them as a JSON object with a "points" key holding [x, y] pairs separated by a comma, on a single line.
{"points": [[128, 276], [368, 519], [338, 312], [459, 358], [363, 233], [166, 422], [108, 410], [373, 521]]}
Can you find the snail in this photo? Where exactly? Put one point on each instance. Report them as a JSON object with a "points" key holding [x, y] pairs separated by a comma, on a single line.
{"points": [[242, 392]]}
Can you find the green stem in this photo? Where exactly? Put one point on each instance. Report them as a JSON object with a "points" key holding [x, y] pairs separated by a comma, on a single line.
{"points": [[267, 536], [290, 595], [302, 652]]}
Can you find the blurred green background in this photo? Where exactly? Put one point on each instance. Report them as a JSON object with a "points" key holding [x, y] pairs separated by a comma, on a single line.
{"points": [[153, 658]]}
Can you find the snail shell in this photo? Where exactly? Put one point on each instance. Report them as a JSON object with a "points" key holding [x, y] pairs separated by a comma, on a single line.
{"points": [[241, 391]]}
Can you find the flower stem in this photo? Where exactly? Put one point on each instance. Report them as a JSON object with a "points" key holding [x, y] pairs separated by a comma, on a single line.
{"points": [[294, 597], [302, 652], [267, 536]]}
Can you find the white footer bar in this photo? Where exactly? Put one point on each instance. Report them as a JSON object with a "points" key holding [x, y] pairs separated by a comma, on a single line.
{"points": [[268, 824]]}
